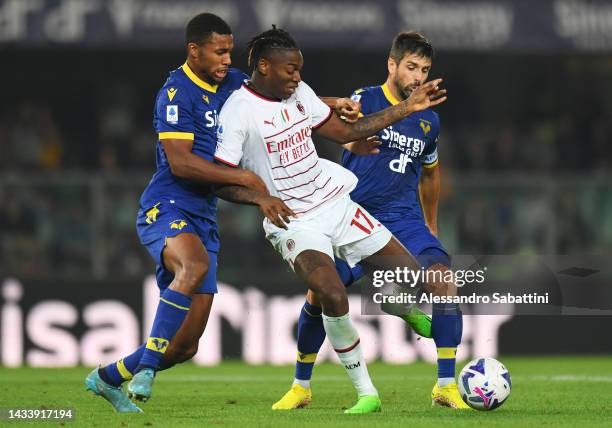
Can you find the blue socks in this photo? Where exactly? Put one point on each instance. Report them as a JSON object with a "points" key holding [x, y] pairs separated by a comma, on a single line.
{"points": [[311, 336], [171, 311], [446, 329], [120, 371]]}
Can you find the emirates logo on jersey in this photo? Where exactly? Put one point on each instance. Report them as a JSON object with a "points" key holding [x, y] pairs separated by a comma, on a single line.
{"points": [[290, 244], [300, 107]]}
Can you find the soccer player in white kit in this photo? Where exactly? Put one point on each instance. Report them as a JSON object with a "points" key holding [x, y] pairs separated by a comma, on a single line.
{"points": [[266, 127]]}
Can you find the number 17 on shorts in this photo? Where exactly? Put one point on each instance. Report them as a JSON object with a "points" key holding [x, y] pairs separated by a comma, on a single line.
{"points": [[363, 222]]}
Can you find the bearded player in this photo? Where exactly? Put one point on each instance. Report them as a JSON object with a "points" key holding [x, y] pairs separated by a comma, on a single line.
{"points": [[400, 187], [266, 127]]}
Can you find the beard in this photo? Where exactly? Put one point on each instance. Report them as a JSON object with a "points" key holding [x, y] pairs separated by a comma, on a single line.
{"points": [[403, 91]]}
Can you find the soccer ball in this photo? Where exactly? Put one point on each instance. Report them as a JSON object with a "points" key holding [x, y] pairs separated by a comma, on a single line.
{"points": [[484, 384]]}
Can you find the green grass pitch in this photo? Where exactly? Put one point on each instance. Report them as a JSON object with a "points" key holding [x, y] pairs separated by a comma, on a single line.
{"points": [[547, 391]]}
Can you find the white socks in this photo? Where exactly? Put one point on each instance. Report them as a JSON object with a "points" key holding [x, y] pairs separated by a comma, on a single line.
{"points": [[345, 340], [302, 383], [443, 381]]}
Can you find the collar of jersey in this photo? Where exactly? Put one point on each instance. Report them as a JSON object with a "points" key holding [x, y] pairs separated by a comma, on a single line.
{"points": [[195, 79], [259, 95], [388, 95]]}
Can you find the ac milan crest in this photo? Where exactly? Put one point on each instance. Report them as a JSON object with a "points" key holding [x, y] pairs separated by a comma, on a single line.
{"points": [[300, 107], [290, 244]]}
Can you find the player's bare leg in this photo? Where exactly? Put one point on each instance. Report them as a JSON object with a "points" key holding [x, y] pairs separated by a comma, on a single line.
{"points": [[319, 272], [184, 345], [185, 256], [446, 325]]}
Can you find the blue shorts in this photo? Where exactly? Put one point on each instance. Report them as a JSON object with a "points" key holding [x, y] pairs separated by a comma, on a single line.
{"points": [[421, 243], [164, 220], [416, 237]]}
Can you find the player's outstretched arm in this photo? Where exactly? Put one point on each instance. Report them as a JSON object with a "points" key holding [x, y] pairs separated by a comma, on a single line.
{"points": [[426, 96], [273, 208], [429, 193], [185, 164]]}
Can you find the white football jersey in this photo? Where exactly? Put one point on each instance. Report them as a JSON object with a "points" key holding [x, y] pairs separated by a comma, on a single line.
{"points": [[273, 139]]}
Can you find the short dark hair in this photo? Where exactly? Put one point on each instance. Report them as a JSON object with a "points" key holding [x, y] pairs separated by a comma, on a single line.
{"points": [[201, 26], [275, 38], [410, 42]]}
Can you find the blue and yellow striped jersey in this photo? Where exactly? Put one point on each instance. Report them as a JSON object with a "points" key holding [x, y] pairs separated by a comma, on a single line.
{"points": [[187, 108], [388, 182]]}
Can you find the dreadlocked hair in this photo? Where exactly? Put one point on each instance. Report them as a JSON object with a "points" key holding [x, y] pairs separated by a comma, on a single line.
{"points": [[274, 38]]}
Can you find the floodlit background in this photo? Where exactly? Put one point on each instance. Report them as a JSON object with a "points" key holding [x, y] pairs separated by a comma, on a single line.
{"points": [[525, 151]]}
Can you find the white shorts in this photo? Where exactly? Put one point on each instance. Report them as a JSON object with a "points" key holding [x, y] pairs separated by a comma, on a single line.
{"points": [[344, 229]]}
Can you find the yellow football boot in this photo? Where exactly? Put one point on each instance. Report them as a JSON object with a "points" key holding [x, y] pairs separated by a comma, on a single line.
{"points": [[447, 396], [296, 398]]}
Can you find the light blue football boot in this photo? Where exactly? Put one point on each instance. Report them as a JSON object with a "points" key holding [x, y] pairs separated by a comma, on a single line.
{"points": [[114, 395], [141, 384]]}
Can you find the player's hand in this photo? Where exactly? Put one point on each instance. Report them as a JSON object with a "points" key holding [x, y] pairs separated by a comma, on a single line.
{"points": [[348, 109], [365, 146], [427, 95], [275, 210], [252, 181]]}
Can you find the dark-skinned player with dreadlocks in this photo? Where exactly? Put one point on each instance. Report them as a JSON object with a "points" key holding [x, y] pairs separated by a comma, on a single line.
{"points": [[266, 127], [177, 217], [400, 187]]}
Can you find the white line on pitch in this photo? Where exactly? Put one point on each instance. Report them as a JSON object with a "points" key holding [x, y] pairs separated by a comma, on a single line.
{"points": [[335, 378]]}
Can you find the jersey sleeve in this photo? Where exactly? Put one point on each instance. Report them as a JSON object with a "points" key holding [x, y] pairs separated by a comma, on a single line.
{"points": [[174, 114], [430, 154], [232, 132], [319, 111]]}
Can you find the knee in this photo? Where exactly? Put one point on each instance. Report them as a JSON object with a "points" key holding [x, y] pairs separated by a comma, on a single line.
{"points": [[441, 289], [192, 273], [439, 283], [324, 282], [438, 288], [334, 300]]}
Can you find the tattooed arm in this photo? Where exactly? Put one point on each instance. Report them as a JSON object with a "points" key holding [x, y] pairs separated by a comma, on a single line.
{"points": [[426, 96], [273, 208], [239, 195]]}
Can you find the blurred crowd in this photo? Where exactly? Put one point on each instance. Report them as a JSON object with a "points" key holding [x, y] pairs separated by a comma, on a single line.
{"points": [[34, 140], [533, 178], [85, 224]]}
